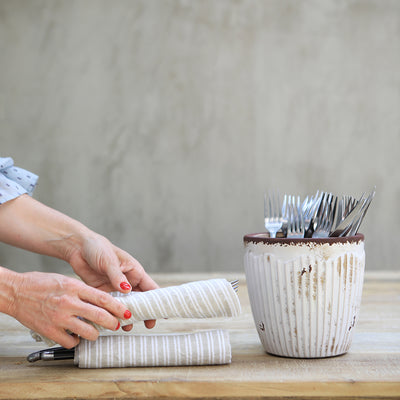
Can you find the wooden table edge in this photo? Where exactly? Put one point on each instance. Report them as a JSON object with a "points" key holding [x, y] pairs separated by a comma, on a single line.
{"points": [[199, 390]]}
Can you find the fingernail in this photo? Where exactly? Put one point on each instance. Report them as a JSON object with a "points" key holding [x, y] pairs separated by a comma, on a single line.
{"points": [[125, 286], [127, 314], [118, 326]]}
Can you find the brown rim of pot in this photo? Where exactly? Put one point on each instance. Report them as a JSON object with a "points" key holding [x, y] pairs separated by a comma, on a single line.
{"points": [[263, 237]]}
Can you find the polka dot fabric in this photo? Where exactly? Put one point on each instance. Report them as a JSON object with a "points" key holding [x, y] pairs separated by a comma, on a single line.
{"points": [[14, 181]]}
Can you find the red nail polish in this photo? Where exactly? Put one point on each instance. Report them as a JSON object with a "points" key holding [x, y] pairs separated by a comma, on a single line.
{"points": [[127, 314], [118, 326], [125, 286]]}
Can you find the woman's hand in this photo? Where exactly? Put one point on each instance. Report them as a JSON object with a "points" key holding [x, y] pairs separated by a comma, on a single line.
{"points": [[50, 304], [29, 224], [104, 266]]}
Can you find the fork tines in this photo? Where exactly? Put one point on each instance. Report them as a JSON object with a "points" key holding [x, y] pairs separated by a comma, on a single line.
{"points": [[295, 220], [235, 285], [272, 213], [322, 215]]}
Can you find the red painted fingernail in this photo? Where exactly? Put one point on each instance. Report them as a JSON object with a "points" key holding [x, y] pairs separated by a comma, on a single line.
{"points": [[125, 286], [127, 314], [118, 326]]}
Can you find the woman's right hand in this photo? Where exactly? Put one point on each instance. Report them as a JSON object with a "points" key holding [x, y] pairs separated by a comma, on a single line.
{"points": [[49, 304]]}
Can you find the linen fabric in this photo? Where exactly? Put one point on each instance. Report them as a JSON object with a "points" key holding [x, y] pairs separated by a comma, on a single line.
{"points": [[14, 181], [198, 348], [210, 298]]}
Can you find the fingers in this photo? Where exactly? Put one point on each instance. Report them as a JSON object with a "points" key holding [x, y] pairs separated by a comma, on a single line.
{"points": [[83, 329], [98, 316], [68, 341], [150, 324], [101, 317], [122, 270], [147, 283], [102, 306], [127, 328], [134, 271], [79, 328], [60, 336], [113, 271], [124, 274], [139, 279]]}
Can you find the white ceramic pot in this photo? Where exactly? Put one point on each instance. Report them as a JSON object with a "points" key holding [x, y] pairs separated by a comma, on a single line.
{"points": [[305, 294]]}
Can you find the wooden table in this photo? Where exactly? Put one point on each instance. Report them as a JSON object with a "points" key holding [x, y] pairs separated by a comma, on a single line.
{"points": [[370, 370]]}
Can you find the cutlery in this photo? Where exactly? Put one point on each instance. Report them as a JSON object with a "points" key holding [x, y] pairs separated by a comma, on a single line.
{"points": [[351, 223], [321, 215], [272, 213]]}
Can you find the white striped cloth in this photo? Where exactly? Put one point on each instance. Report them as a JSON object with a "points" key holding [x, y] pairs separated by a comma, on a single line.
{"points": [[199, 348], [211, 298]]}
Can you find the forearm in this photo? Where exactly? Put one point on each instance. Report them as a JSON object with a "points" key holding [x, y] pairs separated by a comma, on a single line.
{"points": [[30, 225], [8, 283]]}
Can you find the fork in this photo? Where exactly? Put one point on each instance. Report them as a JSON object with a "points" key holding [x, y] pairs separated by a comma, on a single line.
{"points": [[295, 221], [272, 213], [350, 224], [344, 207], [356, 225], [313, 215], [308, 208], [325, 216]]}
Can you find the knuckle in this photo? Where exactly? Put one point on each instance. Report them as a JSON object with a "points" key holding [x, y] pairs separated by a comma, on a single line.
{"points": [[138, 274], [119, 310], [99, 316], [104, 319], [65, 284], [57, 318], [74, 285], [50, 332], [107, 303], [64, 301], [104, 299]]}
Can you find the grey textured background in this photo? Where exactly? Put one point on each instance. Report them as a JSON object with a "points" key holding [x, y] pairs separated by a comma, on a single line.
{"points": [[161, 123]]}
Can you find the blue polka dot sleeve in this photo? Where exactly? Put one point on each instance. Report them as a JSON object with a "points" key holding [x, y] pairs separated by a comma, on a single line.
{"points": [[14, 181]]}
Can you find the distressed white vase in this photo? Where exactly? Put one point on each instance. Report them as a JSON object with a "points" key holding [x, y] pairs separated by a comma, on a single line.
{"points": [[305, 294]]}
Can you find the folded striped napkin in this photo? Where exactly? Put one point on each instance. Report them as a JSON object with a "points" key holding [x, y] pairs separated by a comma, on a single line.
{"points": [[199, 348]]}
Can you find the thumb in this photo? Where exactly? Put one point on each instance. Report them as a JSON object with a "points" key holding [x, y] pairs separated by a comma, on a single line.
{"points": [[117, 278]]}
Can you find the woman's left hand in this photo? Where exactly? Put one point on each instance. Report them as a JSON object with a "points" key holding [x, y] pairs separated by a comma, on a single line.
{"points": [[104, 266]]}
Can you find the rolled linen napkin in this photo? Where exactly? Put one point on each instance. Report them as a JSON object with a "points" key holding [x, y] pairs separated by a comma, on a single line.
{"points": [[199, 348], [200, 299], [211, 298]]}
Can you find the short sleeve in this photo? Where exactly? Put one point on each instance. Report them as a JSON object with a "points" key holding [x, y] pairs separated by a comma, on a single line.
{"points": [[14, 181]]}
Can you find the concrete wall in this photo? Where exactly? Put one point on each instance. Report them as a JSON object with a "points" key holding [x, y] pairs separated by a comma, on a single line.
{"points": [[161, 123]]}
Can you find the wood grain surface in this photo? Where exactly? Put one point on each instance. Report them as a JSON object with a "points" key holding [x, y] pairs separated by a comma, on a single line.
{"points": [[371, 369]]}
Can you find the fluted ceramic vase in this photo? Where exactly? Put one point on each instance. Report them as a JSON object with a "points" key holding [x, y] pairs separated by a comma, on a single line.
{"points": [[305, 294]]}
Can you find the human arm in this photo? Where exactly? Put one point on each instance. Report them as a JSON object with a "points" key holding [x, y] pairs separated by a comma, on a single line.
{"points": [[29, 224]]}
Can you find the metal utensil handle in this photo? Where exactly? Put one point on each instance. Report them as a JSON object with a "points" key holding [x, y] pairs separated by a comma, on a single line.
{"points": [[52, 354]]}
